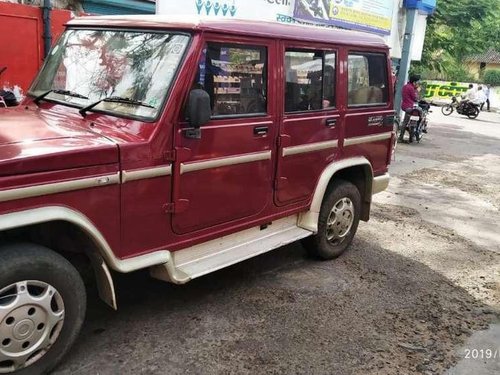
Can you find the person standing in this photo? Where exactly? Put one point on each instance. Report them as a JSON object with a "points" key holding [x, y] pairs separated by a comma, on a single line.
{"points": [[410, 98], [480, 97], [487, 90]]}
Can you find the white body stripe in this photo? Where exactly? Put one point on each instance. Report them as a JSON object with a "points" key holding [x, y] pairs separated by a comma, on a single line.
{"points": [[223, 162], [141, 174], [58, 187], [310, 147], [367, 139]]}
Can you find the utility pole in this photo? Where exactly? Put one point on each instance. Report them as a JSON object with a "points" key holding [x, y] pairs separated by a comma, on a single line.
{"points": [[404, 65], [47, 32], [414, 8]]}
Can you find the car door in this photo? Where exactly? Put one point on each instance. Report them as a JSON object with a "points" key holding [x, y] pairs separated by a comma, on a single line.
{"points": [[369, 116], [309, 127], [225, 175]]}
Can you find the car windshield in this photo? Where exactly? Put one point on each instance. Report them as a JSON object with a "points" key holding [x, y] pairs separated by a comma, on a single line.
{"points": [[90, 65]]}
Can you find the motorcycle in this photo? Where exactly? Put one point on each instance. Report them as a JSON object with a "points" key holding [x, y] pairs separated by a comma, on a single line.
{"points": [[464, 107], [417, 125], [7, 97]]}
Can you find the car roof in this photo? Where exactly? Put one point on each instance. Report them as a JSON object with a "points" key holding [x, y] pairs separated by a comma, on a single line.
{"points": [[236, 27]]}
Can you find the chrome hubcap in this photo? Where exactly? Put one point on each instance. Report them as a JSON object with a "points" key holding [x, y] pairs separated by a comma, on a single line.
{"points": [[31, 319], [340, 221]]}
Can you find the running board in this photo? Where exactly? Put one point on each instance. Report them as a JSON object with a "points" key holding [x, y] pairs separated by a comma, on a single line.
{"points": [[214, 255]]}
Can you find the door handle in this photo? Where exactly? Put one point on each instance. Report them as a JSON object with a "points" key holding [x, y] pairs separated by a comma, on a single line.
{"points": [[260, 130], [331, 122]]}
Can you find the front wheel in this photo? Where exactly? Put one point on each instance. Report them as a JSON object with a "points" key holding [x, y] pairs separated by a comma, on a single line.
{"points": [[447, 109], [42, 307], [338, 221]]}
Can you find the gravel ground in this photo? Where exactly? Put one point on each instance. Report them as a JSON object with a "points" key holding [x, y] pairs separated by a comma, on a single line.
{"points": [[419, 279]]}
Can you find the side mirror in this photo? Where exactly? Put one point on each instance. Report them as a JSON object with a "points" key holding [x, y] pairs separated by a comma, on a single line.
{"points": [[198, 111]]}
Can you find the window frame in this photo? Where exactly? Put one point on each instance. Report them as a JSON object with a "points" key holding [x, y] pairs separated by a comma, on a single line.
{"points": [[364, 53], [162, 107], [310, 49], [250, 45]]}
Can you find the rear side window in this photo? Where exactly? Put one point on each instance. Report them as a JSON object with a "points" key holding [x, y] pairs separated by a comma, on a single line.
{"points": [[235, 77], [309, 80], [367, 82]]}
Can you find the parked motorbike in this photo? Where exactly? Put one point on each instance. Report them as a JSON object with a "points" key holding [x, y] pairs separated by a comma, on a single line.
{"points": [[463, 107], [417, 126], [7, 97]]}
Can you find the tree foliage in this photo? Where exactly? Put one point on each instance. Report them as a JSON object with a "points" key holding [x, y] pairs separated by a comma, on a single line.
{"points": [[458, 29], [492, 77]]}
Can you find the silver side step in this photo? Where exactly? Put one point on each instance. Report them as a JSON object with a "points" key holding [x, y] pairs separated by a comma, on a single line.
{"points": [[211, 256]]}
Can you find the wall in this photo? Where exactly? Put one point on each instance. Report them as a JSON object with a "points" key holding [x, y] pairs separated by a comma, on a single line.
{"points": [[74, 5], [473, 68], [21, 41]]}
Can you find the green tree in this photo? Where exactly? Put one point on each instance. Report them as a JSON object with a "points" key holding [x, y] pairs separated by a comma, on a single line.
{"points": [[458, 29]]}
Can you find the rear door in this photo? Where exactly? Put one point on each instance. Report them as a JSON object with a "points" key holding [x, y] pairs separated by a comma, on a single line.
{"points": [[309, 127], [368, 119], [225, 176]]}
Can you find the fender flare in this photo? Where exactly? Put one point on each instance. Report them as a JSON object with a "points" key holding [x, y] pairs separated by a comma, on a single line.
{"points": [[101, 260], [309, 220]]}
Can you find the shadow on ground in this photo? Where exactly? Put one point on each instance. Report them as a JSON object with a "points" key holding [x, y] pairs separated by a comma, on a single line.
{"points": [[371, 311]]}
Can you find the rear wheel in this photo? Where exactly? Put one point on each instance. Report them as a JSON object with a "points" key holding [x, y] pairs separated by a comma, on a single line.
{"points": [[411, 130], [473, 112], [42, 307], [418, 132], [338, 221]]}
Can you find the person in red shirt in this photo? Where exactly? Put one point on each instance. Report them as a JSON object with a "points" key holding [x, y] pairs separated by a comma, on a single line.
{"points": [[410, 98]]}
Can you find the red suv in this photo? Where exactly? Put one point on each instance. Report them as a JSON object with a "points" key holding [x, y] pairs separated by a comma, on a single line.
{"points": [[181, 147]]}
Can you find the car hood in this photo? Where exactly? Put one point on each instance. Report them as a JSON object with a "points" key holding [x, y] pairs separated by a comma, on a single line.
{"points": [[39, 141]]}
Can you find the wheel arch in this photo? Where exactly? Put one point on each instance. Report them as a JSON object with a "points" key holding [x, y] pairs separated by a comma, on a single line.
{"points": [[356, 170], [46, 224]]}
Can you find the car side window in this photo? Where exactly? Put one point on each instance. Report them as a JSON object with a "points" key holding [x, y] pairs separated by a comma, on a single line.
{"points": [[235, 77], [309, 80], [367, 79]]}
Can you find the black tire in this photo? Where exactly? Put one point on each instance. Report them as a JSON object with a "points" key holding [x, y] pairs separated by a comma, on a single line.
{"points": [[447, 109], [30, 262], [473, 113], [412, 132], [319, 245]]}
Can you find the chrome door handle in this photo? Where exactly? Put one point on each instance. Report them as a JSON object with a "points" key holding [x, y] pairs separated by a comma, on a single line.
{"points": [[260, 130], [331, 122]]}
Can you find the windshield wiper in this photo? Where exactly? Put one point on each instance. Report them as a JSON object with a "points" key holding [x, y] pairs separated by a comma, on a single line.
{"points": [[114, 99], [61, 92]]}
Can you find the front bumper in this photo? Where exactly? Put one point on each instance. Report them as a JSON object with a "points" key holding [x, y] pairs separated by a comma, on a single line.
{"points": [[380, 183]]}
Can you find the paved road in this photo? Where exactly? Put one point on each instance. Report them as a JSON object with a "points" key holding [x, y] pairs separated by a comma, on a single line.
{"points": [[420, 278]]}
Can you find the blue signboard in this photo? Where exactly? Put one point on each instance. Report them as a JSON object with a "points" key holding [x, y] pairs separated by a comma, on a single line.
{"points": [[423, 6], [119, 6]]}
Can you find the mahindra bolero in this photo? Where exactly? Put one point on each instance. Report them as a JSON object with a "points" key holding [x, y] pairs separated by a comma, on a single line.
{"points": [[181, 147]]}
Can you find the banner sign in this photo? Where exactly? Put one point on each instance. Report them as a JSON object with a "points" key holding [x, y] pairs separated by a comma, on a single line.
{"points": [[367, 15], [259, 10], [440, 92], [441, 89]]}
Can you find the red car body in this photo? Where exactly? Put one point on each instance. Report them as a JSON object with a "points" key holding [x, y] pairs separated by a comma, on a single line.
{"points": [[134, 194]]}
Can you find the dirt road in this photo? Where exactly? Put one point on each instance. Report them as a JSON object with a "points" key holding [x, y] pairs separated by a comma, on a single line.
{"points": [[420, 278]]}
